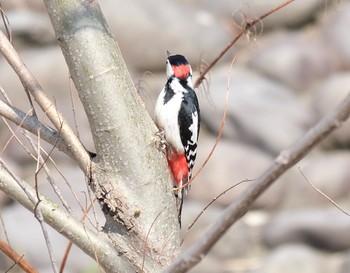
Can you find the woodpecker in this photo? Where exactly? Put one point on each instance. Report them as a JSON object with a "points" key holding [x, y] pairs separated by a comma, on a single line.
{"points": [[177, 115]]}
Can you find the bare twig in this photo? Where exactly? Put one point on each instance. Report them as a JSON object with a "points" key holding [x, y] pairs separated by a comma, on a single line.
{"points": [[65, 257], [30, 123], [210, 203], [323, 194], [39, 216], [145, 244], [73, 106], [18, 259], [248, 24], [39, 157], [215, 199], [242, 203], [33, 125], [33, 87], [88, 240], [4, 229], [219, 134], [69, 246], [44, 166], [38, 213], [6, 22], [14, 136]]}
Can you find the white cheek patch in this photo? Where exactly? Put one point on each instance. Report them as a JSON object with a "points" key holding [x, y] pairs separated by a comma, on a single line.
{"points": [[177, 88]]}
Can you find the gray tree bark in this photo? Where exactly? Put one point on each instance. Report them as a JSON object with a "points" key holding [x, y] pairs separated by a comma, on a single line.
{"points": [[129, 175]]}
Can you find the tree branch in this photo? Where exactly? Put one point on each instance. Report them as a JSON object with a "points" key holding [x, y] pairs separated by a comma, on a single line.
{"points": [[33, 87], [18, 259], [33, 125], [89, 241], [247, 25], [242, 204]]}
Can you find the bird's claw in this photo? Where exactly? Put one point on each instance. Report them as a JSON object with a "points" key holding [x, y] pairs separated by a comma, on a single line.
{"points": [[160, 140]]}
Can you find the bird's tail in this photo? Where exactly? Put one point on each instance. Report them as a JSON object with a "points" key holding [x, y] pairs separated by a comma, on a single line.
{"points": [[179, 194], [179, 169]]}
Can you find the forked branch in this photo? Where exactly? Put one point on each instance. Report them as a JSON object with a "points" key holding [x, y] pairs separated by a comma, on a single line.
{"points": [[247, 25], [33, 125], [31, 85], [89, 241]]}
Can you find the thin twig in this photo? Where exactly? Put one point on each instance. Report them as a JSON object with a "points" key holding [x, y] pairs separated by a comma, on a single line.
{"points": [[67, 183], [4, 94], [54, 143], [145, 244], [42, 161], [73, 107], [14, 136], [244, 201], [223, 120], [215, 199], [33, 87], [5, 230], [39, 216], [91, 242], [210, 203], [323, 194], [69, 246], [49, 177], [245, 28], [18, 259], [65, 257], [6, 22], [32, 124]]}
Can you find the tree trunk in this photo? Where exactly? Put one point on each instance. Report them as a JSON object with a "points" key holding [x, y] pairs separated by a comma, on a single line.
{"points": [[128, 175]]}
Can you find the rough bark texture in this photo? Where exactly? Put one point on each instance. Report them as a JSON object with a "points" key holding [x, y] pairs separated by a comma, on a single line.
{"points": [[129, 175], [93, 243]]}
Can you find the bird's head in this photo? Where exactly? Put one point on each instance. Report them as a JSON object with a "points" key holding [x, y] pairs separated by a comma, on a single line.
{"points": [[178, 66]]}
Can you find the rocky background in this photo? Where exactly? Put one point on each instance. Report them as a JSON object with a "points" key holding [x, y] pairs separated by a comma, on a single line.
{"points": [[290, 70]]}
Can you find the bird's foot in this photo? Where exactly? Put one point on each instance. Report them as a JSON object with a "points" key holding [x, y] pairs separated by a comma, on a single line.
{"points": [[160, 140]]}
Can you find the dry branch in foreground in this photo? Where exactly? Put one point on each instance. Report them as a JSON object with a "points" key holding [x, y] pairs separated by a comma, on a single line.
{"points": [[239, 207]]}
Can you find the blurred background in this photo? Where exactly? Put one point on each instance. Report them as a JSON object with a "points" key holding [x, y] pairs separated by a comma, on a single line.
{"points": [[290, 71]]}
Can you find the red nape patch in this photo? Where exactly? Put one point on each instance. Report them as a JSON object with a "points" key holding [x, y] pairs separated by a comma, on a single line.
{"points": [[181, 71], [178, 166]]}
